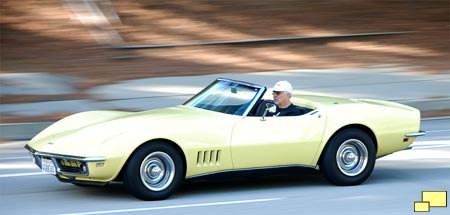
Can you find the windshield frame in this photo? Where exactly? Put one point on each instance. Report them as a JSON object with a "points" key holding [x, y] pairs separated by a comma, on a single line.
{"points": [[260, 90]]}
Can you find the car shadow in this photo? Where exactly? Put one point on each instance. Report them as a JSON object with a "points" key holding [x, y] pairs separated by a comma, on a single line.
{"points": [[252, 180], [242, 181]]}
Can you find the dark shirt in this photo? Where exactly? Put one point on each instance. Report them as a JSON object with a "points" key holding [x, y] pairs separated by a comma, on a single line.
{"points": [[291, 110]]}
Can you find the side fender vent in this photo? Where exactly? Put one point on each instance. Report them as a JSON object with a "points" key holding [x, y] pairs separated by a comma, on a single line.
{"points": [[208, 158]]}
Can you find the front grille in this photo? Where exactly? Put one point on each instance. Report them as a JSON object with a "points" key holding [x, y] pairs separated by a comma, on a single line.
{"points": [[71, 166]]}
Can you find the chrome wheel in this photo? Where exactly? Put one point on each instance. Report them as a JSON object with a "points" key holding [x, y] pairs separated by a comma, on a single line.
{"points": [[157, 171], [352, 157]]}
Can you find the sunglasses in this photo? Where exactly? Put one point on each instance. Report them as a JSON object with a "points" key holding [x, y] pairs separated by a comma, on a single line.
{"points": [[277, 92]]}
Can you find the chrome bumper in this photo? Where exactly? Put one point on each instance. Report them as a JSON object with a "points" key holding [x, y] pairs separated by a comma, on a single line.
{"points": [[416, 134], [65, 165]]}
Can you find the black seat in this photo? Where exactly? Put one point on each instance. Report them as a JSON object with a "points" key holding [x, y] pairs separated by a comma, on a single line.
{"points": [[261, 107]]}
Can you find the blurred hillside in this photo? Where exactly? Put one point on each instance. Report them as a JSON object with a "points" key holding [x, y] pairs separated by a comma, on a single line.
{"points": [[47, 36]]}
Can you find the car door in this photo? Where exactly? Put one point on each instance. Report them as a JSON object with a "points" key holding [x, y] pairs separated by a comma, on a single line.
{"points": [[277, 141]]}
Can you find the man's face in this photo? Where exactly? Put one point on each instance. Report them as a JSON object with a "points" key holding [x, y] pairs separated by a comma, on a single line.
{"points": [[280, 98]]}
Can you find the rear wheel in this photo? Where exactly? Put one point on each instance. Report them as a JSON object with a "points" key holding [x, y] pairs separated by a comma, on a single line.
{"points": [[349, 158], [154, 172]]}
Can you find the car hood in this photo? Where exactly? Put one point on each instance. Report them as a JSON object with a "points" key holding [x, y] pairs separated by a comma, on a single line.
{"points": [[82, 133]]}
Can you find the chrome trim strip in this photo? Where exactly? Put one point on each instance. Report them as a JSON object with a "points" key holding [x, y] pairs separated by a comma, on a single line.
{"points": [[257, 97], [241, 82], [88, 159], [416, 134]]}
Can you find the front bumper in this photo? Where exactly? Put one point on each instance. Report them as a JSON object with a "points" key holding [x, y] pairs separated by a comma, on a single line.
{"points": [[65, 165]]}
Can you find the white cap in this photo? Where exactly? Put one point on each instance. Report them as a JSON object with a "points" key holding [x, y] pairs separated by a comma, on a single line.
{"points": [[283, 86]]}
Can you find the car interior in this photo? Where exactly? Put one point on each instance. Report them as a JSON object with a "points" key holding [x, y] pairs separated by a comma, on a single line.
{"points": [[260, 107]]}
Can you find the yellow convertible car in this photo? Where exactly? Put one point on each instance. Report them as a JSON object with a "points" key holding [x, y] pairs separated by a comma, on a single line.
{"points": [[225, 127]]}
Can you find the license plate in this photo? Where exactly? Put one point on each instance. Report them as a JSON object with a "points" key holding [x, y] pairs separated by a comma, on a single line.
{"points": [[47, 166]]}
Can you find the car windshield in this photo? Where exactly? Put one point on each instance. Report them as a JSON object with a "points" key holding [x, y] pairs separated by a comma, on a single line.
{"points": [[226, 97]]}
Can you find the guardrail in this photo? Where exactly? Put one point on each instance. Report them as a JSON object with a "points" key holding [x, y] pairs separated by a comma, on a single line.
{"points": [[263, 40]]}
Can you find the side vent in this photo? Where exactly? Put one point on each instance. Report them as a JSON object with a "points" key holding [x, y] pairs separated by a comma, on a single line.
{"points": [[208, 158]]}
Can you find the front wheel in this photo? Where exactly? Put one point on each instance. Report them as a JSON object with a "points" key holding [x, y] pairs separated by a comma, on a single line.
{"points": [[349, 158], [154, 172]]}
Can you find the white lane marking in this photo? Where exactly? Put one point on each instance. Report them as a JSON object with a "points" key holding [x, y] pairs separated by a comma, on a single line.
{"points": [[430, 147], [431, 144], [16, 158], [436, 118], [22, 174], [175, 206], [438, 131], [17, 166], [423, 150]]}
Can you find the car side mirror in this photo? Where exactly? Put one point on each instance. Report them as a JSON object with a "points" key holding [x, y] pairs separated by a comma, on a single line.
{"points": [[270, 108]]}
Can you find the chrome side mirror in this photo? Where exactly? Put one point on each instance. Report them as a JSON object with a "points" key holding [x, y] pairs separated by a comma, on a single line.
{"points": [[270, 108]]}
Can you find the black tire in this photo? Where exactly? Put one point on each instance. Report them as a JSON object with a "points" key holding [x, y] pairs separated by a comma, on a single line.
{"points": [[349, 158], [154, 172]]}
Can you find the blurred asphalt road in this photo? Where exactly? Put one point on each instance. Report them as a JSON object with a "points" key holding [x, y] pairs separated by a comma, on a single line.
{"points": [[423, 91]]}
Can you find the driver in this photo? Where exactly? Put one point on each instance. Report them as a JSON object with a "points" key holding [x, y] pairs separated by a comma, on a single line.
{"points": [[282, 92]]}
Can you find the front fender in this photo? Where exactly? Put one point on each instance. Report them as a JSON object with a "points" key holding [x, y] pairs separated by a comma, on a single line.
{"points": [[192, 137]]}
